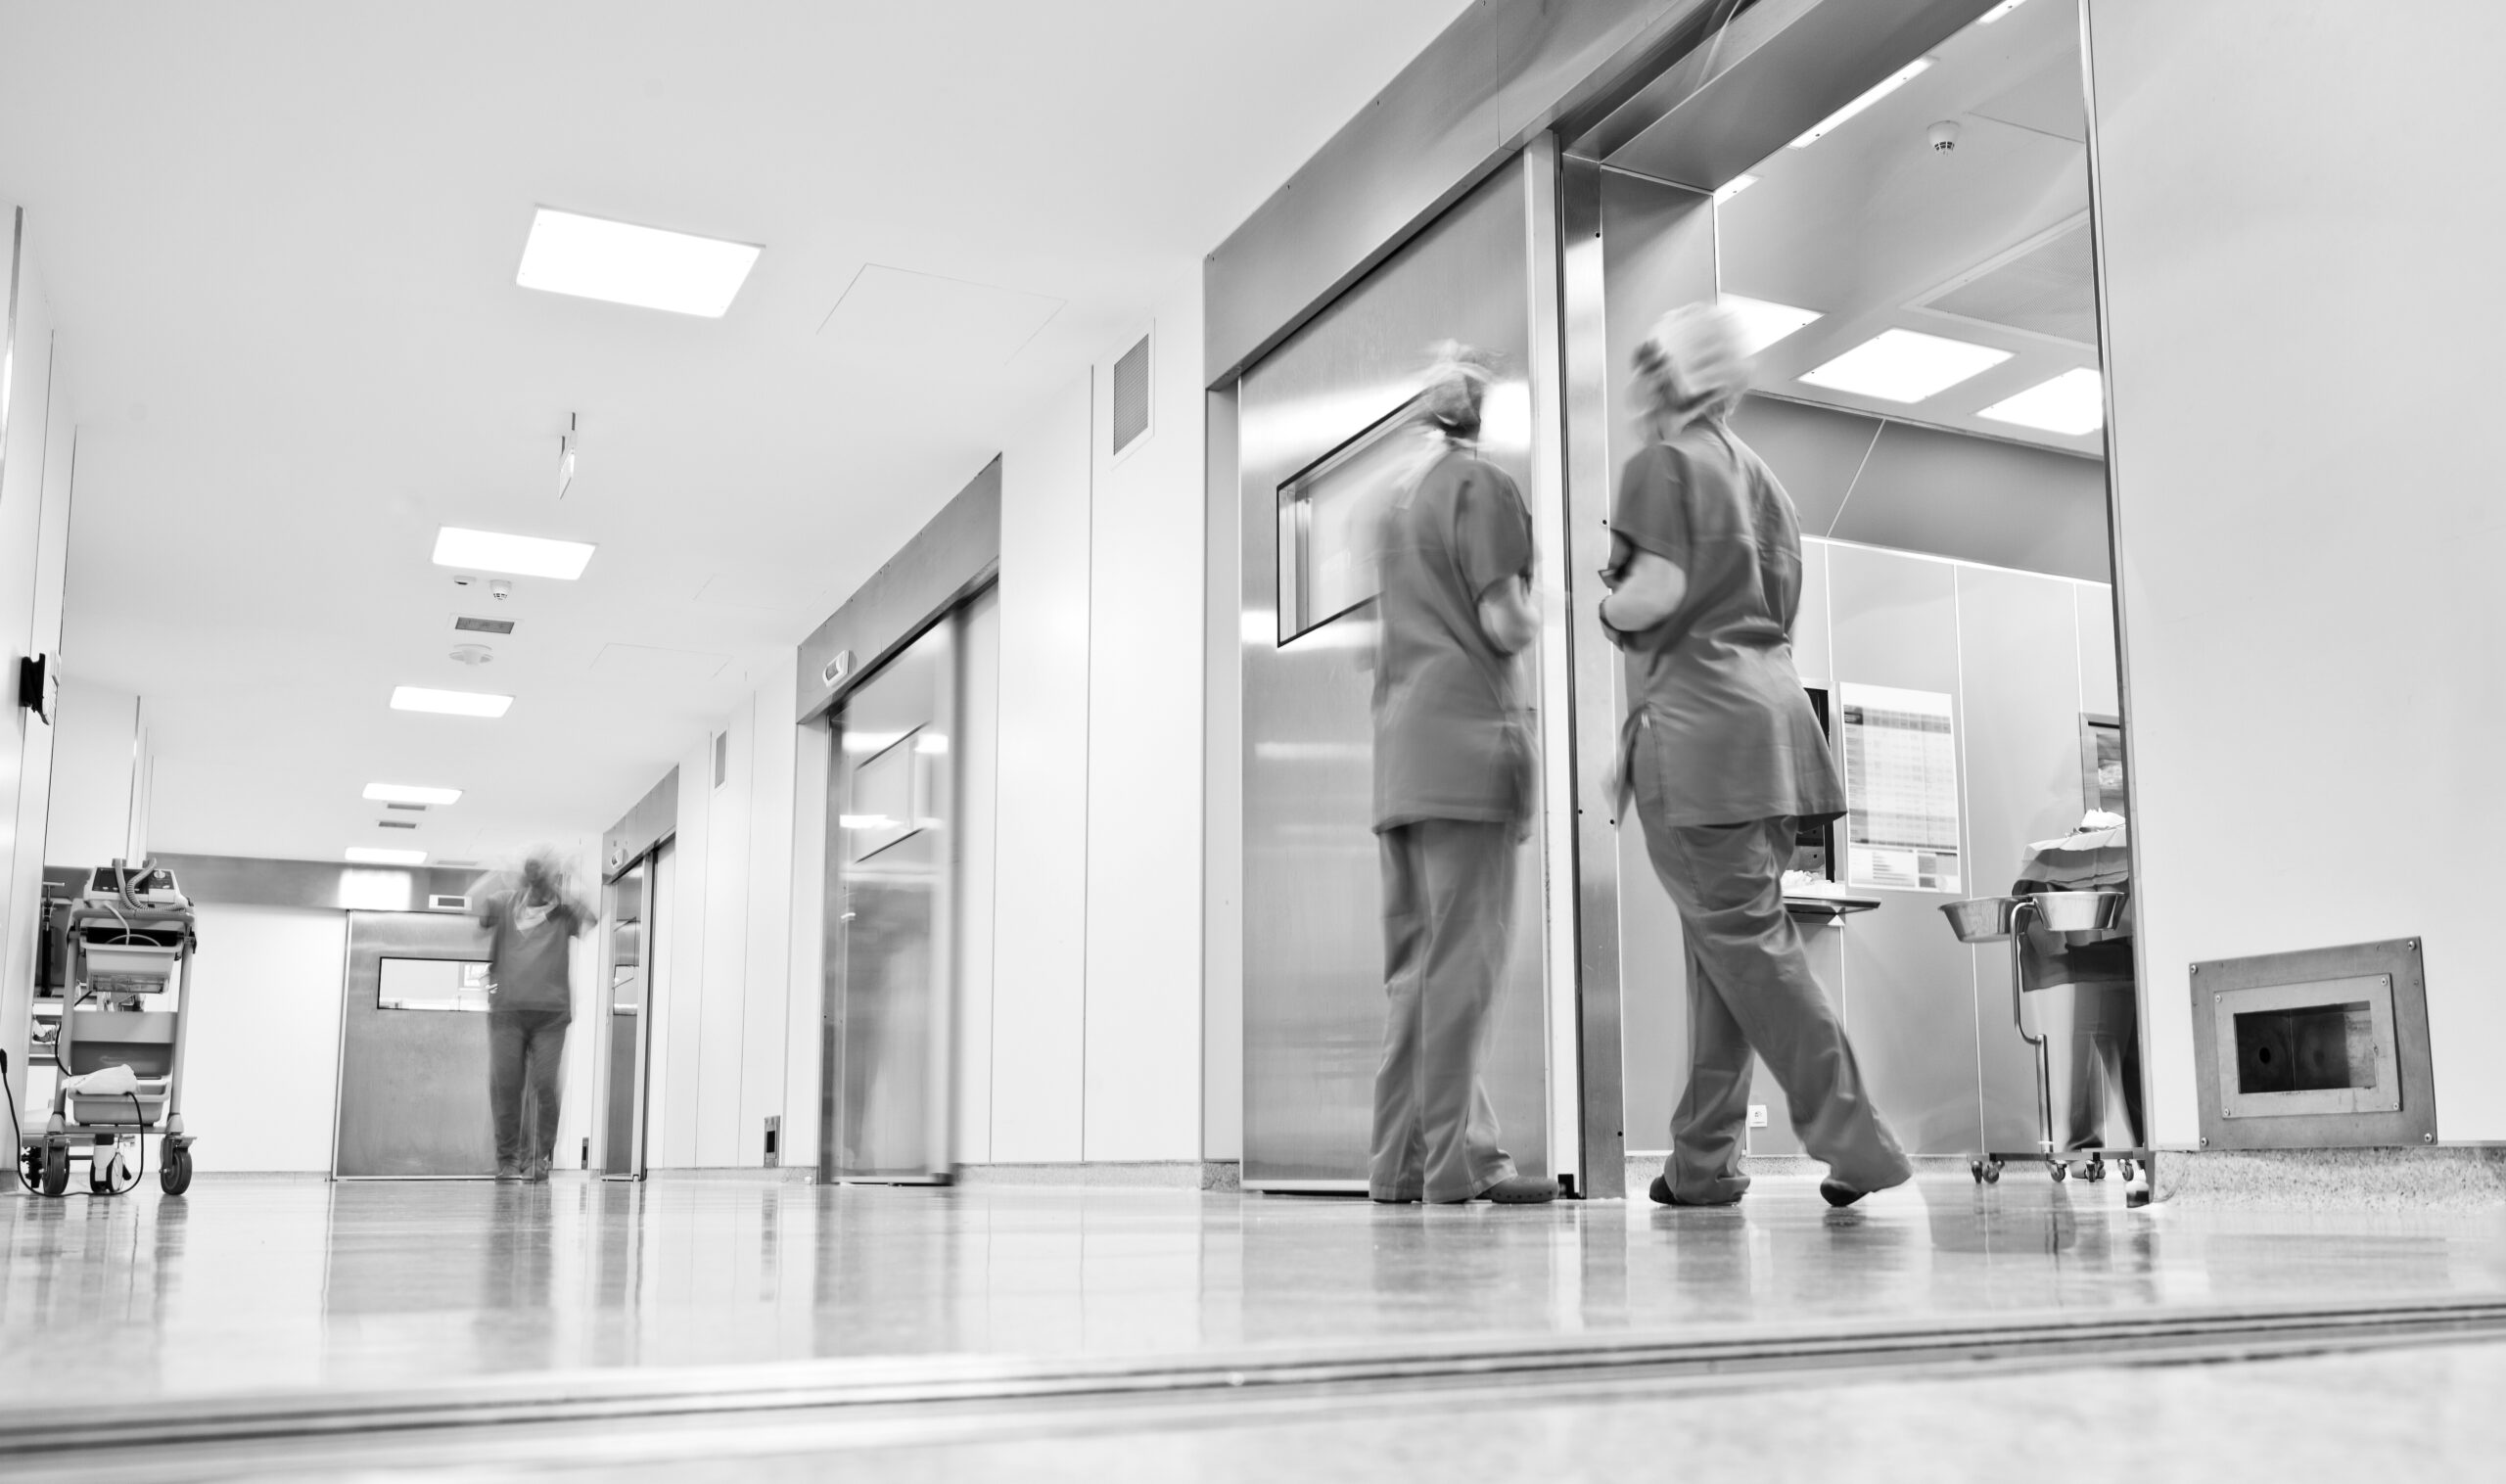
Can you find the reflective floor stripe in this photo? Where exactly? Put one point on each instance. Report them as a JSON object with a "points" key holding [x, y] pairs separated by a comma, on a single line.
{"points": [[894, 1400]]}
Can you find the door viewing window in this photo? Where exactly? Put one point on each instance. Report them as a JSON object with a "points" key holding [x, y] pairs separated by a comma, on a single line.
{"points": [[1328, 516]]}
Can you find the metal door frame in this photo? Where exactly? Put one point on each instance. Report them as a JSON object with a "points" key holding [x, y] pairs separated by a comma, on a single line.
{"points": [[649, 862], [939, 1093]]}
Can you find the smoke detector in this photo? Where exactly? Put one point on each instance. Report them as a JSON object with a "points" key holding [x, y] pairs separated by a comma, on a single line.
{"points": [[1943, 137], [473, 654]]}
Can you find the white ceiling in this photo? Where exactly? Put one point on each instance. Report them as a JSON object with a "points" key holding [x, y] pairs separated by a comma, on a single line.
{"points": [[1871, 225], [279, 240]]}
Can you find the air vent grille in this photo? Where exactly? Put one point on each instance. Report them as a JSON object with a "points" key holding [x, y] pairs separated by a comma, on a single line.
{"points": [[1131, 395], [395, 825], [465, 624], [441, 903], [721, 756], [414, 809]]}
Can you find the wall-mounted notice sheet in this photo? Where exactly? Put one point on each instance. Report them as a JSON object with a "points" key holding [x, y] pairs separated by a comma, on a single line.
{"points": [[1900, 789]]}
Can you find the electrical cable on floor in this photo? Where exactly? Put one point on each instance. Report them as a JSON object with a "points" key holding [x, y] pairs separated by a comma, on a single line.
{"points": [[17, 1166]]}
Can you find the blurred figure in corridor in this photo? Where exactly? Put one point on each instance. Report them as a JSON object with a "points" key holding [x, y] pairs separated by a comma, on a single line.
{"points": [[1454, 780], [532, 916]]}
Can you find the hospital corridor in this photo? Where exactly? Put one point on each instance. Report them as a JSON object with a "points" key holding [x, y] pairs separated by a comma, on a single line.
{"points": [[1105, 740]]}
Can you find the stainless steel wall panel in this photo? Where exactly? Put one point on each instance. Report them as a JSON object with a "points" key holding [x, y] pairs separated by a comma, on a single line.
{"points": [[1313, 937], [653, 820], [413, 1084], [1496, 79], [939, 567], [1779, 66]]}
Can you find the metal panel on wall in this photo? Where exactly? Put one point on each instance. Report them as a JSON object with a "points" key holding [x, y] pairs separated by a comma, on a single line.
{"points": [[413, 1082], [1313, 1002]]}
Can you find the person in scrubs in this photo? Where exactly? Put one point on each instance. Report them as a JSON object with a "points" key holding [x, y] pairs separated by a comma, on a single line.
{"points": [[532, 924], [1452, 793], [1725, 759]]}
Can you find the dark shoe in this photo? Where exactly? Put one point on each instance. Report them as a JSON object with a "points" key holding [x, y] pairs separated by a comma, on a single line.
{"points": [[539, 1172], [1660, 1191], [1521, 1191], [507, 1172], [1838, 1193]]}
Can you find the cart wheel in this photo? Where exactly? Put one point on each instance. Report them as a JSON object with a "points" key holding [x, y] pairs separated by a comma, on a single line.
{"points": [[1992, 1173], [56, 1168], [1976, 1166], [31, 1165], [2062, 1172], [174, 1171], [2096, 1168], [2125, 1168], [100, 1177]]}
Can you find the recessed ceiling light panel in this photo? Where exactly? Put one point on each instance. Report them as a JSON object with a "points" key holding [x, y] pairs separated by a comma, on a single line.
{"points": [[2074, 403], [410, 793], [380, 855], [1836, 120], [1999, 11], [1734, 187], [525, 556], [622, 263], [450, 703], [1905, 366], [1763, 321]]}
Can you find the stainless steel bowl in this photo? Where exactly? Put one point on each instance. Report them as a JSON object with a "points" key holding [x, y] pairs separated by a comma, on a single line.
{"points": [[2078, 911], [1981, 919]]}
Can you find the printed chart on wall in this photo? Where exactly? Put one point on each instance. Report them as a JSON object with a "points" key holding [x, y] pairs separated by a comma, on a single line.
{"points": [[1900, 789]]}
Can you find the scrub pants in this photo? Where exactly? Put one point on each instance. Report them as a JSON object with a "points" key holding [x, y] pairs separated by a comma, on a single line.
{"points": [[1448, 907], [524, 1051], [1749, 987]]}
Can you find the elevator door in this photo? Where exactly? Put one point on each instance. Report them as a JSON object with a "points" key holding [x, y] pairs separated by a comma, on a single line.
{"points": [[891, 848], [1320, 440], [632, 924]]}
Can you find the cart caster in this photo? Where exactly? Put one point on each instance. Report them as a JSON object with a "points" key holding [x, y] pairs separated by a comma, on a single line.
{"points": [[56, 1170], [174, 1171], [2096, 1168], [1992, 1171], [1976, 1168], [2062, 1172], [2125, 1168]]}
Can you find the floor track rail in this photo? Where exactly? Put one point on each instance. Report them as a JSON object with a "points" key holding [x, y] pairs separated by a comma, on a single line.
{"points": [[833, 1403]]}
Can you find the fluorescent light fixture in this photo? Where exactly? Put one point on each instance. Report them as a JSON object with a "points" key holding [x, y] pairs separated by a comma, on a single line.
{"points": [[1763, 321], [1830, 124], [2073, 402], [624, 264], [1999, 11], [1734, 186], [1904, 366], [525, 556], [450, 703], [376, 855], [865, 821], [410, 793]]}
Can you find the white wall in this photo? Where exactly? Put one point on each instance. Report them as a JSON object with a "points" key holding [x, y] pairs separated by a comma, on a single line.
{"points": [[262, 1058], [1040, 900], [98, 763], [1142, 1056], [2299, 216], [37, 451]]}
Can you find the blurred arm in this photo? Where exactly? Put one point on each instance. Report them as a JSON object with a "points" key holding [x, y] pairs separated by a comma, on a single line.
{"points": [[1649, 590], [1507, 617]]}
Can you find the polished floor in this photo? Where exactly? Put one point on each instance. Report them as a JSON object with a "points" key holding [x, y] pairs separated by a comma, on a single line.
{"points": [[263, 1288]]}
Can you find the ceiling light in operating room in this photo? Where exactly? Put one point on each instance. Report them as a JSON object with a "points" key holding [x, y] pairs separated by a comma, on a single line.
{"points": [[1999, 11], [410, 793], [525, 556], [622, 263], [2073, 402], [1763, 321], [1905, 366], [1830, 124], [1734, 187], [449, 703], [375, 855]]}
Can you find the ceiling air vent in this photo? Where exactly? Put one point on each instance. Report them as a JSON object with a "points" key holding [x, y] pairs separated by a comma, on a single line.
{"points": [[464, 623], [395, 825], [1130, 396], [414, 809]]}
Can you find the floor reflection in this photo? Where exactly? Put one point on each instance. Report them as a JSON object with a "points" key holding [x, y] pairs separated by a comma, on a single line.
{"points": [[277, 1284]]}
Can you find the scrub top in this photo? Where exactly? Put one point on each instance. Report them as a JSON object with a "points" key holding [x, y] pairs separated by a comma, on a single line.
{"points": [[1712, 686], [1452, 733], [530, 954]]}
